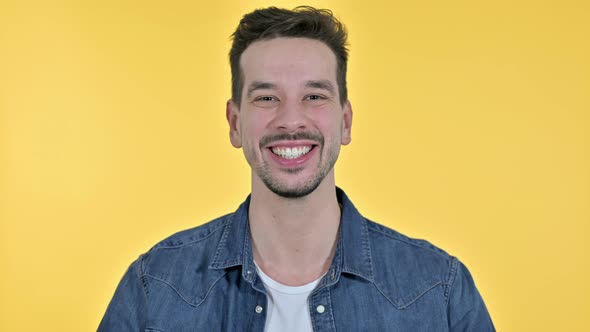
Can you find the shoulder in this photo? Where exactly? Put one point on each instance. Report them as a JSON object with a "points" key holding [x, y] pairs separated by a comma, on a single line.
{"points": [[406, 268], [177, 261], [196, 246], [385, 239], [193, 236]]}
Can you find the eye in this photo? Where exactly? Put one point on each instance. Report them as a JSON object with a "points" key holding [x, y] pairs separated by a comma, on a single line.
{"points": [[265, 101], [265, 98], [315, 97]]}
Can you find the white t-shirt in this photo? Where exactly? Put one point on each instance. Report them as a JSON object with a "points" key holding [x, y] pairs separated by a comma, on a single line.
{"points": [[287, 308]]}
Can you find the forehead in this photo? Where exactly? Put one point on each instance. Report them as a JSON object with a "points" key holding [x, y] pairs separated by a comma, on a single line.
{"points": [[288, 60]]}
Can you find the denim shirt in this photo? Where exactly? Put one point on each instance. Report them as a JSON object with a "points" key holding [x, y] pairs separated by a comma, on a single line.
{"points": [[204, 279]]}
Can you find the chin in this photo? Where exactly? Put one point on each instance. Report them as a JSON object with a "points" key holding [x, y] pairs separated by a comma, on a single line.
{"points": [[292, 193], [292, 190]]}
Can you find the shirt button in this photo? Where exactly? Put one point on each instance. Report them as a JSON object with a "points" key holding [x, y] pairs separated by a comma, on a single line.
{"points": [[258, 309], [320, 309]]}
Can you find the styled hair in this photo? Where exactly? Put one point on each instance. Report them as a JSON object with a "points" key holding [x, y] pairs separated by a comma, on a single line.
{"points": [[303, 22]]}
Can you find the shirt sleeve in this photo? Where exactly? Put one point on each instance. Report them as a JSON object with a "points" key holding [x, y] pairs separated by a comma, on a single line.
{"points": [[466, 310], [126, 311]]}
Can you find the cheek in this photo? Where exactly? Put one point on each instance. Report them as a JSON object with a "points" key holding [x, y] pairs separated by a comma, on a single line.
{"points": [[257, 125], [331, 127], [252, 131]]}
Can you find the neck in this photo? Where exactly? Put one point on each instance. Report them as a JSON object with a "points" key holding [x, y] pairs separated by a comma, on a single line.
{"points": [[294, 239]]}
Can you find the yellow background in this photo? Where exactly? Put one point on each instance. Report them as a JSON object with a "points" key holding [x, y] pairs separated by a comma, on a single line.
{"points": [[471, 129]]}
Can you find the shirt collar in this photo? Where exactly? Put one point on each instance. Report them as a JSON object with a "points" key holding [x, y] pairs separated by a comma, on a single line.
{"points": [[354, 240], [353, 251]]}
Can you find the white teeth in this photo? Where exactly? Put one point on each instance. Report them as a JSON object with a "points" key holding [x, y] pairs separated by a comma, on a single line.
{"points": [[291, 153]]}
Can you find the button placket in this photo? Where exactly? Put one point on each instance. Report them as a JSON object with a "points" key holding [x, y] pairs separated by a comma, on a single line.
{"points": [[257, 311], [321, 313]]}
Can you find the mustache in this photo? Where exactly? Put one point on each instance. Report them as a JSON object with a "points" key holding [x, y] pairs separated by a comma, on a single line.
{"points": [[266, 140]]}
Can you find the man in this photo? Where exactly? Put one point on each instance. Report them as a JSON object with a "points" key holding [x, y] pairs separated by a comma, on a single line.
{"points": [[296, 255]]}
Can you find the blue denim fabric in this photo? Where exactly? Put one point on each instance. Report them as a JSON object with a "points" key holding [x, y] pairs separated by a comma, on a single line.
{"points": [[204, 279]]}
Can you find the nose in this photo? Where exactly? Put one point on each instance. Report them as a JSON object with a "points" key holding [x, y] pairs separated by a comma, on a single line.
{"points": [[290, 117]]}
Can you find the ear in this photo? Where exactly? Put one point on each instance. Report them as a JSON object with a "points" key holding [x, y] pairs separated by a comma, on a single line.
{"points": [[346, 123], [232, 113]]}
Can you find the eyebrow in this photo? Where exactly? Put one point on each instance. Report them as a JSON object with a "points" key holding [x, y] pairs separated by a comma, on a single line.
{"points": [[321, 84], [257, 85]]}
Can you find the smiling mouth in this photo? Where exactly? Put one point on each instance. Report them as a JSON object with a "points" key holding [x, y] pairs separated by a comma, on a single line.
{"points": [[291, 152]]}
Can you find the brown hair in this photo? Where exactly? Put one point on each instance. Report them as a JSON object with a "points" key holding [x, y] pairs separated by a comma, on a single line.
{"points": [[304, 22]]}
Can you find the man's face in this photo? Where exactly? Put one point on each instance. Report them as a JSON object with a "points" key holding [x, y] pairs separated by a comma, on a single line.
{"points": [[290, 122]]}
